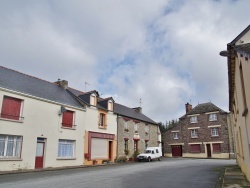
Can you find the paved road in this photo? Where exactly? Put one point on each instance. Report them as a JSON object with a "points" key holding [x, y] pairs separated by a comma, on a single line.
{"points": [[170, 173]]}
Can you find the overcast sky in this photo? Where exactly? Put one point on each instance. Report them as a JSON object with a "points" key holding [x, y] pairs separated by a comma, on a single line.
{"points": [[165, 52]]}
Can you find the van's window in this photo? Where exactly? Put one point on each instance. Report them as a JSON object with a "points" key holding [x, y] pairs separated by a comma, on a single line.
{"points": [[157, 151], [147, 151], [153, 152]]}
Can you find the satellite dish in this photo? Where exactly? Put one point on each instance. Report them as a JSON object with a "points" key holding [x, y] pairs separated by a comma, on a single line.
{"points": [[62, 110]]}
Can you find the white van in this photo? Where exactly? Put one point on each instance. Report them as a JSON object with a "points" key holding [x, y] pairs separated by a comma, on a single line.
{"points": [[149, 154]]}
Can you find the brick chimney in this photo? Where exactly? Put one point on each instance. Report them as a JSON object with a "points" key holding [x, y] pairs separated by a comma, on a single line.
{"points": [[138, 109], [62, 83], [188, 107]]}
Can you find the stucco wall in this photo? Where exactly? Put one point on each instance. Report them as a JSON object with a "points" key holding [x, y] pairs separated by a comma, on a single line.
{"points": [[41, 119]]}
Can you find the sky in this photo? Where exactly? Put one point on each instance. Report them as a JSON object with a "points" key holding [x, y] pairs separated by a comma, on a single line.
{"points": [[164, 52]]}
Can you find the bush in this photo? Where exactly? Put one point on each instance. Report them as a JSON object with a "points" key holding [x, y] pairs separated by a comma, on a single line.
{"points": [[122, 159], [137, 152]]}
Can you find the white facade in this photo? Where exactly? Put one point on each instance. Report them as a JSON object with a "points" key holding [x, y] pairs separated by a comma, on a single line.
{"points": [[41, 123]]}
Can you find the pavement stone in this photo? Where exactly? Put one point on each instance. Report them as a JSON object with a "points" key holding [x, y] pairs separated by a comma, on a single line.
{"points": [[234, 178]]}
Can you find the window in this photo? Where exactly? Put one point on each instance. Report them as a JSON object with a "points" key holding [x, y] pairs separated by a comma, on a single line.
{"points": [[11, 108], [214, 131], [93, 99], [110, 105], [10, 146], [193, 119], [102, 120], [146, 129], [194, 133], [126, 126], [136, 126], [176, 135], [216, 148], [212, 117], [195, 148], [68, 119], [245, 110], [66, 148]]}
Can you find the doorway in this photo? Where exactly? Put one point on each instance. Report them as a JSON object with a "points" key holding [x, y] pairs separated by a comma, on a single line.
{"points": [[40, 145], [110, 150], [208, 150]]}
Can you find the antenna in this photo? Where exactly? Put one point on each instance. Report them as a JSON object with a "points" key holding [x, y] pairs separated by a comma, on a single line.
{"points": [[140, 102], [85, 85]]}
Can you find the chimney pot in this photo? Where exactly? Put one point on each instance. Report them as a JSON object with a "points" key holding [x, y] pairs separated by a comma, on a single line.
{"points": [[188, 107]]}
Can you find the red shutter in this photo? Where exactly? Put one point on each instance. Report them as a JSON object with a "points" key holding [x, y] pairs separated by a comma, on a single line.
{"points": [[67, 120], [195, 148], [11, 108], [216, 148]]}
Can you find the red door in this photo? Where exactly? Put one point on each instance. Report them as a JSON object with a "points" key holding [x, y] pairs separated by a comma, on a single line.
{"points": [[177, 151], [208, 151], [39, 155], [110, 150]]}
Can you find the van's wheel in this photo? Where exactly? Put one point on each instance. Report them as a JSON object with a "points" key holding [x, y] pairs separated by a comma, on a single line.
{"points": [[139, 160], [149, 159], [159, 159]]}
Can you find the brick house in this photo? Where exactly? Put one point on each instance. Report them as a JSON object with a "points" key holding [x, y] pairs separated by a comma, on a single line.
{"points": [[135, 131], [202, 132]]}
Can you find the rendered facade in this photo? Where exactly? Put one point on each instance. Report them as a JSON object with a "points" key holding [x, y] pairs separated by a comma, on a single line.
{"points": [[202, 132], [238, 61]]}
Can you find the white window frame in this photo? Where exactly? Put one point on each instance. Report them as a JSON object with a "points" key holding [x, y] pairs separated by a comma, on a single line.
{"points": [[212, 117], [194, 133], [176, 137], [64, 145], [214, 131], [126, 126], [110, 105], [5, 141], [93, 99], [146, 128], [136, 126], [193, 119]]}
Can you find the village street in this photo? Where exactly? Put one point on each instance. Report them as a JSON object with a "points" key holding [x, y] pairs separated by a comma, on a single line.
{"points": [[170, 172]]}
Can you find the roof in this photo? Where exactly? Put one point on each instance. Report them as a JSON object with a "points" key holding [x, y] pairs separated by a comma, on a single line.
{"points": [[204, 108], [131, 113], [240, 35], [20, 82]]}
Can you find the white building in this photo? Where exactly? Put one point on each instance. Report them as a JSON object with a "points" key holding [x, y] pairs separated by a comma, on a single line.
{"points": [[41, 123]]}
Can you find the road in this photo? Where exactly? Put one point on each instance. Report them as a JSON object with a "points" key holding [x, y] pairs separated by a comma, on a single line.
{"points": [[170, 173]]}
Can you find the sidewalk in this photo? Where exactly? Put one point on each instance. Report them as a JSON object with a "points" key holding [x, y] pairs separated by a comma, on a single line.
{"points": [[234, 178]]}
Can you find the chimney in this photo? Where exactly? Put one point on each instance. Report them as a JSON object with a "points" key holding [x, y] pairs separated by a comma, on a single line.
{"points": [[188, 107], [138, 109], [62, 83]]}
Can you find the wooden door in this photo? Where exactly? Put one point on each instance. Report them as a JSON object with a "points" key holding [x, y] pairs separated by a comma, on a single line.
{"points": [[110, 150], [177, 151], [208, 150], [39, 155]]}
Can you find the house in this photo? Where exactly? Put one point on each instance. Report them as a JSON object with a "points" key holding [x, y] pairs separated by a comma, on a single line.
{"points": [[202, 132], [100, 136], [41, 123], [135, 131], [238, 61]]}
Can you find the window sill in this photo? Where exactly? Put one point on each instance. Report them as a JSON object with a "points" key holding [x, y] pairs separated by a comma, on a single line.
{"points": [[212, 120], [215, 136], [66, 158], [195, 137], [70, 128], [102, 127], [194, 122], [17, 121], [11, 159], [176, 138]]}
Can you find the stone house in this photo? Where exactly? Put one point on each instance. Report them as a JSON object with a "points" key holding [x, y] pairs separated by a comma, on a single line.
{"points": [[202, 132], [238, 57], [135, 131]]}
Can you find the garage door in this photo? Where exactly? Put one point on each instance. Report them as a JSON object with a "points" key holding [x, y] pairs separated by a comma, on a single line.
{"points": [[99, 148], [177, 151]]}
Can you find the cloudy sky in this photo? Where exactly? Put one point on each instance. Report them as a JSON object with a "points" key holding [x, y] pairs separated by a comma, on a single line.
{"points": [[165, 52]]}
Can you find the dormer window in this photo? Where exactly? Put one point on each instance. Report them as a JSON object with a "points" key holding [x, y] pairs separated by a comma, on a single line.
{"points": [[193, 119], [110, 105], [212, 117], [93, 99]]}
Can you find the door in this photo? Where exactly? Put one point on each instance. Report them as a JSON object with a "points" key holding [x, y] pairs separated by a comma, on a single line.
{"points": [[110, 150], [208, 150], [177, 151], [39, 155]]}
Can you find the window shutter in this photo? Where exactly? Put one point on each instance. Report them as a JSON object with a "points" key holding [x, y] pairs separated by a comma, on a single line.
{"points": [[216, 148], [11, 108], [67, 119], [196, 148]]}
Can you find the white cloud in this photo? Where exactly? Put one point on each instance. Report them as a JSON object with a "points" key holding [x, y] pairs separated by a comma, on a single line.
{"points": [[164, 52]]}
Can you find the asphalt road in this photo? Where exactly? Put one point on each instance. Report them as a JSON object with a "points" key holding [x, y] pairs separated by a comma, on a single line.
{"points": [[170, 173]]}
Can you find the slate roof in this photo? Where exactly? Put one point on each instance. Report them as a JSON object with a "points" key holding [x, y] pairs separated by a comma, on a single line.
{"points": [[131, 113], [204, 108], [16, 81]]}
